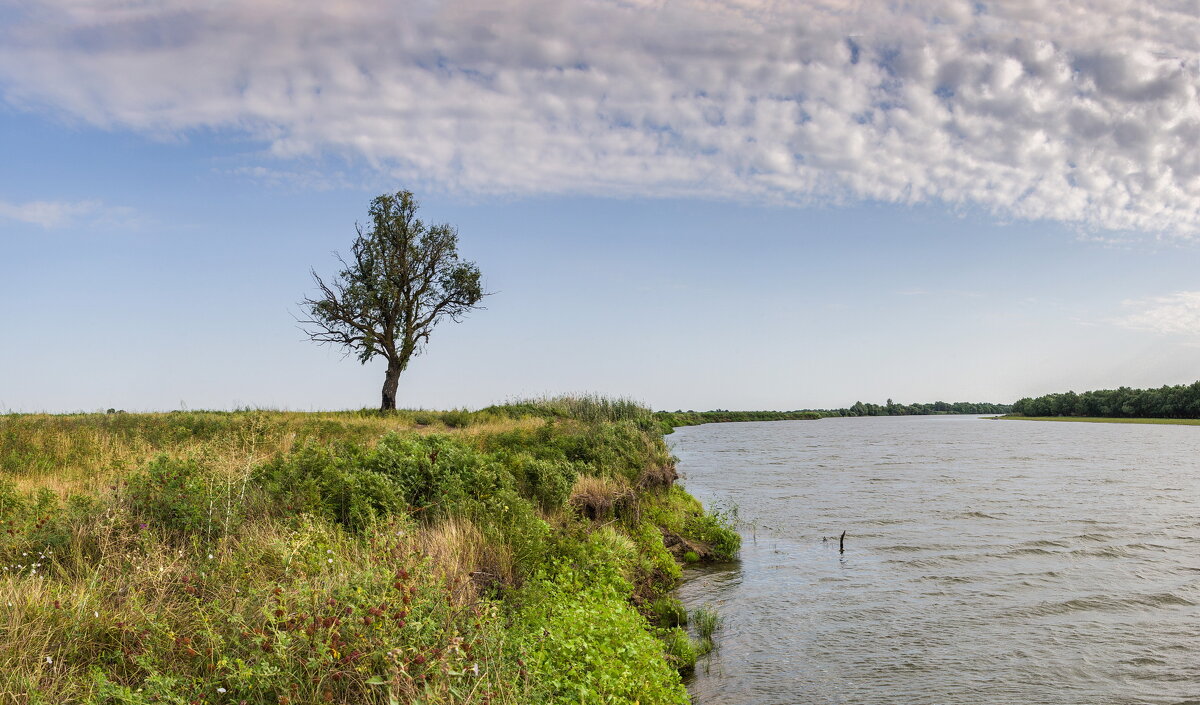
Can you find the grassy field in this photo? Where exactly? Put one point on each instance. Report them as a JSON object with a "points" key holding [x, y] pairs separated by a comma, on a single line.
{"points": [[520, 554], [1099, 419]]}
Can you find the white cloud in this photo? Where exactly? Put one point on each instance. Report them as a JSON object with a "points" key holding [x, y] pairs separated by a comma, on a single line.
{"points": [[1084, 112], [1178, 314], [47, 214], [58, 214], [308, 179]]}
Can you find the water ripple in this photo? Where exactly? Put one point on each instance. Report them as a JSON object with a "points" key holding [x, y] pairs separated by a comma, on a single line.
{"points": [[986, 562]]}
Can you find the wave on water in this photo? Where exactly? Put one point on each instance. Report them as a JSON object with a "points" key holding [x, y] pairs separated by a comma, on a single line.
{"points": [[978, 515], [1015, 565], [1107, 603], [1029, 551]]}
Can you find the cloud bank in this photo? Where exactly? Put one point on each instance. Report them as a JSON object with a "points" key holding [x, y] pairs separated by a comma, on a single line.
{"points": [[1175, 314], [1081, 112]]}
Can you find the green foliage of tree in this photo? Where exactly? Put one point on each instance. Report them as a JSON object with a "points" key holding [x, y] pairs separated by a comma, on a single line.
{"points": [[938, 407], [403, 277], [1167, 402]]}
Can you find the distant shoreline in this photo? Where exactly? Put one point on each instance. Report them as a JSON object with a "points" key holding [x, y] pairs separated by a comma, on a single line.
{"points": [[1099, 419]]}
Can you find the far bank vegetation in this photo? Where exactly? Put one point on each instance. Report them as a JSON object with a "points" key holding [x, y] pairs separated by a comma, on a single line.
{"points": [[1166, 402]]}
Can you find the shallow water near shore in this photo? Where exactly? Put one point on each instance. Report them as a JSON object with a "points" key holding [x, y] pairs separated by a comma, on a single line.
{"points": [[986, 561]]}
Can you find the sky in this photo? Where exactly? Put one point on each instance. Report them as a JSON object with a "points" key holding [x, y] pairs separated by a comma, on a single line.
{"points": [[697, 204]]}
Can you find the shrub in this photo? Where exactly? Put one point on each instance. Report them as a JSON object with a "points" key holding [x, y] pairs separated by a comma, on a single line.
{"points": [[548, 482], [30, 524], [436, 473], [331, 483], [457, 418], [180, 498]]}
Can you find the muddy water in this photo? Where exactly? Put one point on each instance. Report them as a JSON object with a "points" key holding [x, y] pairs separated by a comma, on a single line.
{"points": [[986, 561]]}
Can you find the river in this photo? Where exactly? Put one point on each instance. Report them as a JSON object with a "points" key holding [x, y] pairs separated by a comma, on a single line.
{"points": [[986, 561]]}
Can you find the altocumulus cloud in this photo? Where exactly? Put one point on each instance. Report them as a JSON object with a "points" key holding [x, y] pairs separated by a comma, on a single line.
{"points": [[1082, 112]]}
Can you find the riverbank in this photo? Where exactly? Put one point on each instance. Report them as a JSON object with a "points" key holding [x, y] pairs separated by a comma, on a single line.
{"points": [[520, 554], [1099, 419]]}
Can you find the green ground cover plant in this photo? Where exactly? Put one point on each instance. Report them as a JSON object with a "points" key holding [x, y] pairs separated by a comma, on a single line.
{"points": [[521, 554]]}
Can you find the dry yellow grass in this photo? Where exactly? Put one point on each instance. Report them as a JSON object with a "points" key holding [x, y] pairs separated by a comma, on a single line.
{"points": [[599, 497], [460, 552], [83, 452]]}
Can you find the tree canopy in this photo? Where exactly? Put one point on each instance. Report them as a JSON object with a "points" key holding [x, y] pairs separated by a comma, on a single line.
{"points": [[921, 409], [402, 278], [1167, 402]]}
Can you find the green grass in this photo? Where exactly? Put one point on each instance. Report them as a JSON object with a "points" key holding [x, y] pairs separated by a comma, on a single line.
{"points": [[1099, 419], [517, 554]]}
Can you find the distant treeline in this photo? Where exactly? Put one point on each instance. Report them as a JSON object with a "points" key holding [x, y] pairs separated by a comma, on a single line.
{"points": [[674, 419], [1178, 402], [938, 407]]}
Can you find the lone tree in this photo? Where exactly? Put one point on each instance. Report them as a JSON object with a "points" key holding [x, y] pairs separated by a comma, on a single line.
{"points": [[403, 277]]}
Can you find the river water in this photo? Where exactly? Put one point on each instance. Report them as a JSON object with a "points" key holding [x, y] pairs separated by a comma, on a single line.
{"points": [[986, 561]]}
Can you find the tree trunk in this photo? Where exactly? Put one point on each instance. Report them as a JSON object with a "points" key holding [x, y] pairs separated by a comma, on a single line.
{"points": [[390, 382]]}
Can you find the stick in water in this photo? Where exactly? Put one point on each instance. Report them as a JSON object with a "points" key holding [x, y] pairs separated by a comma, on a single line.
{"points": [[842, 543]]}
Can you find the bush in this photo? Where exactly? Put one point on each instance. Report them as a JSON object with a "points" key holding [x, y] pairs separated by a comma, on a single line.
{"points": [[437, 474], [547, 482], [30, 524], [333, 484], [181, 498], [457, 418]]}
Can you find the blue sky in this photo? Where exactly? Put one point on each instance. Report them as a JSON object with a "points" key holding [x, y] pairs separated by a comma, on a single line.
{"points": [[708, 205]]}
